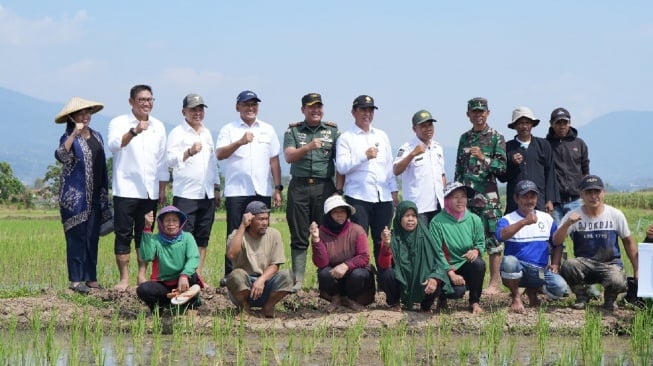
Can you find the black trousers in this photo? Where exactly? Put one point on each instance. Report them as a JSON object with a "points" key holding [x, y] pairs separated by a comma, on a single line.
{"points": [[372, 216], [392, 288], [128, 221], [473, 273], [353, 284], [155, 293]]}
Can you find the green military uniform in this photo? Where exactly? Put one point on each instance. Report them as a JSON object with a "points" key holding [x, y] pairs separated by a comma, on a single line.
{"points": [[311, 184], [481, 175]]}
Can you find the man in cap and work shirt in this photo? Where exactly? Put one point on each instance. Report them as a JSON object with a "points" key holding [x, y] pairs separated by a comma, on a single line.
{"points": [[420, 163], [256, 251], [310, 149], [528, 232], [248, 151], [196, 182], [595, 229], [529, 158], [481, 157]]}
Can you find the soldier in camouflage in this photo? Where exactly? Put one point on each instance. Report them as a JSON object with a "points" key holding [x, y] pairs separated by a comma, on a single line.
{"points": [[480, 159]]}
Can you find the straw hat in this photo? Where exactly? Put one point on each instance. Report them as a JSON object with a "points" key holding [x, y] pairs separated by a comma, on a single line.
{"points": [[77, 104]]}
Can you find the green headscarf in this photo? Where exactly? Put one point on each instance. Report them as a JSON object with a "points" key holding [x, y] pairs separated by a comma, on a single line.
{"points": [[416, 257]]}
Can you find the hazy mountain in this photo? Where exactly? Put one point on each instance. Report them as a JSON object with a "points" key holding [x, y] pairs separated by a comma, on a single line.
{"points": [[616, 141]]}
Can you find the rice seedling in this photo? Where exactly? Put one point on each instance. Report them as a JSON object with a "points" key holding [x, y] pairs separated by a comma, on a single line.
{"points": [[51, 349], [96, 344], [641, 336], [591, 342], [542, 331]]}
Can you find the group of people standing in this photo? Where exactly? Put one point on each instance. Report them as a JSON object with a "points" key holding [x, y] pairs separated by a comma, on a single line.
{"points": [[343, 185]]}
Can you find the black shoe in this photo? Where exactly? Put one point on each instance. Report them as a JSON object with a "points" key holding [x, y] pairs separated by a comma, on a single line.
{"points": [[223, 282], [80, 288]]}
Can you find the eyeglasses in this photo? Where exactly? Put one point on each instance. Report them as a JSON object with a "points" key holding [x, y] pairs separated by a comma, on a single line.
{"points": [[250, 104], [145, 100]]}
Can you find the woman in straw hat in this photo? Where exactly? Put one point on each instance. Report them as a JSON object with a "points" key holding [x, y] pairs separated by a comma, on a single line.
{"points": [[83, 192], [341, 254]]}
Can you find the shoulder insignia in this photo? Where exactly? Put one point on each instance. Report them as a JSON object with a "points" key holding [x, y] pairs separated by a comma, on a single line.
{"points": [[331, 123], [294, 124]]}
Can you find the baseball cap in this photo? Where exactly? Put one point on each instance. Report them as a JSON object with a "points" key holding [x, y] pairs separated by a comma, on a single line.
{"points": [[256, 207], [246, 95], [558, 114], [525, 186], [192, 101], [311, 98], [591, 182], [523, 112], [364, 101], [422, 116], [337, 201], [477, 103], [452, 186]]}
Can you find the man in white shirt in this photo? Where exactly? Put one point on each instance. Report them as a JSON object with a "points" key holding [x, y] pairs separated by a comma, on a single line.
{"points": [[195, 177], [140, 174], [364, 157], [248, 151], [420, 162]]}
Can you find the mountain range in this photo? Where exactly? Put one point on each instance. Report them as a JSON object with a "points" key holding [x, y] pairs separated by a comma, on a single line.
{"points": [[617, 142]]}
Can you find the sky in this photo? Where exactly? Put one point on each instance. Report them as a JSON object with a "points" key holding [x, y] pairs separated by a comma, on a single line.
{"points": [[592, 57]]}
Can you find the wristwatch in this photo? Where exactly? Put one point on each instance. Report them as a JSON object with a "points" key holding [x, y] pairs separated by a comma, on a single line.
{"points": [[133, 132], [279, 188]]}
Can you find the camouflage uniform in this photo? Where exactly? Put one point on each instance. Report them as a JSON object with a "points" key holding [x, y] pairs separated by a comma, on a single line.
{"points": [[481, 175]]}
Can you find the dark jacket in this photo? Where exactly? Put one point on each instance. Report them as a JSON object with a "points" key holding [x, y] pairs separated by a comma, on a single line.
{"points": [[571, 160], [536, 167]]}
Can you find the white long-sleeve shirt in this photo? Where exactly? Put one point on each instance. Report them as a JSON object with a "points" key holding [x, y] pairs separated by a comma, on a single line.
{"points": [[139, 166], [367, 180], [247, 171], [196, 177]]}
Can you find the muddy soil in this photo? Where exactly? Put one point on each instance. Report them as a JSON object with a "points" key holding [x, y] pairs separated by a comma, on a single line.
{"points": [[305, 310]]}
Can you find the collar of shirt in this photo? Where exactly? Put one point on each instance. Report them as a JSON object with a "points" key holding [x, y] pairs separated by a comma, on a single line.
{"points": [[244, 124], [189, 128], [359, 131], [416, 141], [307, 127]]}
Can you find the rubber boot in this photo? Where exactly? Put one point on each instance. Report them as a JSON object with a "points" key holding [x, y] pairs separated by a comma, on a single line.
{"points": [[298, 267]]}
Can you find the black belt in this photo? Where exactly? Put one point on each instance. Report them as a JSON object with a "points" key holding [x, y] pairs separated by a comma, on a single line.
{"points": [[568, 198], [311, 180]]}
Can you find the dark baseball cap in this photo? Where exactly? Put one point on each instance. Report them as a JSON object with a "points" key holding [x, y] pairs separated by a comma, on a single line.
{"points": [[364, 101], [558, 114], [256, 207], [192, 101], [246, 95], [525, 186], [422, 116], [311, 98], [477, 103], [591, 182]]}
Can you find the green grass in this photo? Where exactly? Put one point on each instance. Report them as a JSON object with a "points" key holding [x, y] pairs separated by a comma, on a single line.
{"points": [[34, 251]]}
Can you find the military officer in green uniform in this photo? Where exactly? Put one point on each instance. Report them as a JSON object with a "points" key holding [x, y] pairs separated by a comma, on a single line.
{"points": [[480, 159], [309, 147]]}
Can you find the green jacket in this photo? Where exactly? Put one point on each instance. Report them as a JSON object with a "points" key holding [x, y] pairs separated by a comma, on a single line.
{"points": [[456, 238]]}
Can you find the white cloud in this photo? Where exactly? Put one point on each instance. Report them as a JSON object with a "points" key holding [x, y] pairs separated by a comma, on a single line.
{"points": [[18, 31]]}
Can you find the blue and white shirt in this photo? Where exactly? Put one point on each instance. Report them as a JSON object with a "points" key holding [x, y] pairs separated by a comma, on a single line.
{"points": [[531, 243]]}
